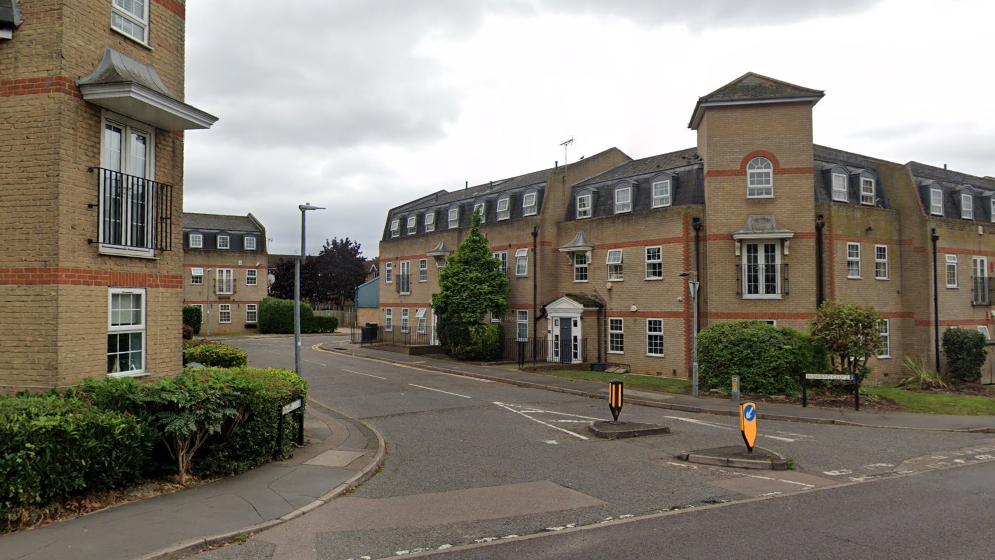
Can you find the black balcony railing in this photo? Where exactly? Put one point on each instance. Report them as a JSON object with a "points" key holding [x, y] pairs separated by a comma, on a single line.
{"points": [[981, 290], [761, 280], [403, 282], [134, 212]]}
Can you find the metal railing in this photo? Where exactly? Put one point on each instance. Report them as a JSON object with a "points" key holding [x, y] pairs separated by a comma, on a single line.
{"points": [[378, 334], [760, 280], [403, 282], [537, 350], [981, 290], [134, 211]]}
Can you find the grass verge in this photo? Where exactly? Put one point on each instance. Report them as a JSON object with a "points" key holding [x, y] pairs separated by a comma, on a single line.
{"points": [[932, 403], [641, 382]]}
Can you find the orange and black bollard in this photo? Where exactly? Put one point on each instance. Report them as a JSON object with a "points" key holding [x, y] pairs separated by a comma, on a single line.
{"points": [[615, 398]]}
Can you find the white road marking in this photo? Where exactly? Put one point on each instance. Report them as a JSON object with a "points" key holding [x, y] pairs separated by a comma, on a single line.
{"points": [[547, 424], [701, 422], [552, 442], [366, 374], [440, 391], [789, 440], [395, 364], [721, 427], [840, 472], [313, 362], [781, 480]]}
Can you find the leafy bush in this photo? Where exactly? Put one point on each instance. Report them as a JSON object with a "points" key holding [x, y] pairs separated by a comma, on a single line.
{"points": [[276, 316], [473, 341], [193, 317], [768, 360], [215, 354], [965, 352], [920, 375], [52, 447]]}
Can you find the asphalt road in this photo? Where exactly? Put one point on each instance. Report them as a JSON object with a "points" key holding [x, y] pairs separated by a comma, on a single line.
{"points": [[471, 461]]}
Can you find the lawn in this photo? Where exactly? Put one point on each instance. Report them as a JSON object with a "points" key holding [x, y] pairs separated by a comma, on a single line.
{"points": [[937, 403]]}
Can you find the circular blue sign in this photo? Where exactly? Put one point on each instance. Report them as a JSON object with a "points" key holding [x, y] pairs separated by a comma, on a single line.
{"points": [[749, 413]]}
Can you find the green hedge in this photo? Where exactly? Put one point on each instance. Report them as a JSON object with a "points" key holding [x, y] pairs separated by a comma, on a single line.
{"points": [[276, 316], [966, 354], [193, 317], [769, 360], [52, 447], [483, 342], [215, 354]]}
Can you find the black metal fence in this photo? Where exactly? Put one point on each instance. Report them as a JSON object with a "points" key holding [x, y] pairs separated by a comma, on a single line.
{"points": [[537, 350], [134, 211], [378, 334]]}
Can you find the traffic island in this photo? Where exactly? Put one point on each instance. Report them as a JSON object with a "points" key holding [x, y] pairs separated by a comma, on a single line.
{"points": [[621, 430], [736, 456]]}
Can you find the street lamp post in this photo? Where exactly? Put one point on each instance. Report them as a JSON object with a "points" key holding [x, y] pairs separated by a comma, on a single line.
{"points": [[297, 290], [693, 287]]}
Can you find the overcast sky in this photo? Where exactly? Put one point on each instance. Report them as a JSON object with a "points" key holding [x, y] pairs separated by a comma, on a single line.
{"points": [[361, 105]]}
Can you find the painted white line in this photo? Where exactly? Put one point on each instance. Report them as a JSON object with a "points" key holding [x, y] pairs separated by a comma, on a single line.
{"points": [[782, 480], [507, 407], [313, 362], [789, 440], [366, 374], [523, 410], [440, 391], [395, 364], [701, 422]]}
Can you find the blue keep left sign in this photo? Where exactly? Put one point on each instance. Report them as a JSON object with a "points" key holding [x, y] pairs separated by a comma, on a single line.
{"points": [[749, 412], [748, 423]]}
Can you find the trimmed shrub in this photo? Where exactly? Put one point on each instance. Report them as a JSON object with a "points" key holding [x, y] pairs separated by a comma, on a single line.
{"points": [[769, 360], [966, 354], [276, 316], [483, 342], [193, 317], [215, 354], [52, 447]]}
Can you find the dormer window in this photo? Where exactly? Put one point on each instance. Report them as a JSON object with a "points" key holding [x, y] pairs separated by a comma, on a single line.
{"points": [[503, 208], [992, 213], [623, 200], [839, 187], [936, 202], [196, 240], [480, 209], [429, 221], [224, 242], [412, 225], [661, 193], [584, 206], [867, 191], [454, 217], [250, 243], [529, 204], [759, 178], [967, 206], [395, 227]]}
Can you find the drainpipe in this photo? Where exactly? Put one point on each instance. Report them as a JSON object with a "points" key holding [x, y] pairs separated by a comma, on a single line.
{"points": [[936, 302], [820, 293], [696, 225], [535, 292]]}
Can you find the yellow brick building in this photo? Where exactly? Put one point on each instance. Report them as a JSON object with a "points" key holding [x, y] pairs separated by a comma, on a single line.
{"points": [[770, 223], [91, 266]]}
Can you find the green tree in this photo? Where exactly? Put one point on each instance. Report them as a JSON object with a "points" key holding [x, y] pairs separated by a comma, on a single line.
{"points": [[340, 269], [850, 332], [471, 284]]}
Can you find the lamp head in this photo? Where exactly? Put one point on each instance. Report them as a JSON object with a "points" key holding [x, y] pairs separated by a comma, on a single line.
{"points": [[307, 206]]}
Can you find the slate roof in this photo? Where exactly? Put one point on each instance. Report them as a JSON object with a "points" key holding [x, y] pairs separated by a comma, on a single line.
{"points": [[855, 166], [752, 87], [10, 14], [954, 184], [645, 166], [221, 222]]}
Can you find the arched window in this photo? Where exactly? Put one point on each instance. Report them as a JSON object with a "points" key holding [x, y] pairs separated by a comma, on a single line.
{"points": [[759, 178]]}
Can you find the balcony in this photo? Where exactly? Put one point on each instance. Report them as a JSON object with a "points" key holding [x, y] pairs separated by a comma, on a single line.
{"points": [[981, 291], [135, 215], [762, 281], [403, 283]]}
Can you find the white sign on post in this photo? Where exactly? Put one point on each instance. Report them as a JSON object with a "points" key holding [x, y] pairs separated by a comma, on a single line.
{"points": [[292, 406], [829, 376]]}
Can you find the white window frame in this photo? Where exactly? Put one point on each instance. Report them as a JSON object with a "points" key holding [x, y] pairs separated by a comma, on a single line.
{"points": [[582, 267], [522, 325], [404, 270], [502, 256], [129, 328], [616, 335], [614, 262], [951, 268], [521, 262], [412, 225], [584, 209], [388, 273], [482, 207], [765, 259], [881, 262], [395, 227], [453, 217], [422, 321], [661, 194], [423, 270], [936, 202], [196, 241], [760, 178], [129, 23], [623, 206], [224, 281], [224, 313], [853, 261], [648, 261], [992, 213], [197, 276], [867, 191], [503, 209], [249, 242], [979, 271], [983, 329], [840, 187], [251, 313], [530, 204], [966, 206], [884, 329], [650, 334], [126, 159], [404, 320], [429, 221], [251, 276], [388, 323], [224, 242]]}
